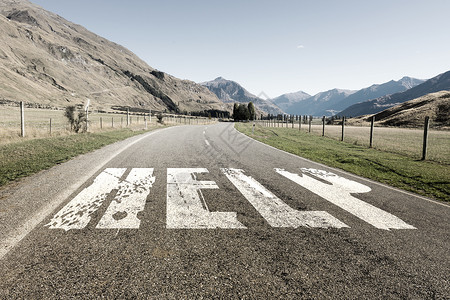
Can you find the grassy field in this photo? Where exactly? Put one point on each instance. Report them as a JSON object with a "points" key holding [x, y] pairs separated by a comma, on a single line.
{"points": [[37, 123], [427, 178], [396, 140], [27, 157]]}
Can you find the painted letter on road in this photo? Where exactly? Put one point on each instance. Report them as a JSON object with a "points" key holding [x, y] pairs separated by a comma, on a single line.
{"points": [[339, 193], [129, 200], [276, 212], [185, 207], [77, 213]]}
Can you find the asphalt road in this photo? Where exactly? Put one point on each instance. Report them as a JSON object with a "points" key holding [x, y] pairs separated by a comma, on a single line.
{"points": [[205, 212]]}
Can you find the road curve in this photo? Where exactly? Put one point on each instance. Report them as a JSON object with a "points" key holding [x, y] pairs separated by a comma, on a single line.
{"points": [[206, 212]]}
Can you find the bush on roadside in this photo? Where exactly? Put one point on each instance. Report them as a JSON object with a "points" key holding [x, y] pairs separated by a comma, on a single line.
{"points": [[77, 121], [160, 118]]}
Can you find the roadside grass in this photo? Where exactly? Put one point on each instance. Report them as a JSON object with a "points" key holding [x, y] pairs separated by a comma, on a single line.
{"points": [[37, 123], [427, 178], [24, 158]]}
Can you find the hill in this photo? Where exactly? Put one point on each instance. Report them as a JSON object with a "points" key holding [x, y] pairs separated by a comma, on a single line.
{"points": [[49, 61], [412, 113], [435, 84], [230, 91]]}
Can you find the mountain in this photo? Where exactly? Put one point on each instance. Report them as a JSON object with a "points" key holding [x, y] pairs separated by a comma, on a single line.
{"points": [[372, 92], [435, 84], [413, 112], [51, 62], [285, 101], [230, 91], [317, 103]]}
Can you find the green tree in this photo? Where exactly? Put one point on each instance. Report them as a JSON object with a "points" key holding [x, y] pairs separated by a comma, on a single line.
{"points": [[243, 113], [251, 111], [235, 111]]}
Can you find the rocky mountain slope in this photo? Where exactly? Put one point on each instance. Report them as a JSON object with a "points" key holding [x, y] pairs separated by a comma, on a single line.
{"points": [[435, 84], [230, 91], [49, 61]]}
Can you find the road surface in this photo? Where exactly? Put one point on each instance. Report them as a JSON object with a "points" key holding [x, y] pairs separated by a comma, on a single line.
{"points": [[205, 212]]}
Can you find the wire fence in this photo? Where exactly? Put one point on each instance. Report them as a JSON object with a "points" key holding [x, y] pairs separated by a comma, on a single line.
{"points": [[39, 123], [406, 141]]}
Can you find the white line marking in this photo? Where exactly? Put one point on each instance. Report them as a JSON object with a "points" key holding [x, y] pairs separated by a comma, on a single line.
{"points": [[76, 214], [207, 143], [129, 201], [184, 206], [274, 210], [22, 231], [348, 173], [339, 193]]}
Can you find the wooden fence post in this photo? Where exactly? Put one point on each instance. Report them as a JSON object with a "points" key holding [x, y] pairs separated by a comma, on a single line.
{"points": [[323, 126], [425, 137], [101, 123], [22, 119], [372, 121], [128, 117], [343, 126], [50, 126], [310, 120]]}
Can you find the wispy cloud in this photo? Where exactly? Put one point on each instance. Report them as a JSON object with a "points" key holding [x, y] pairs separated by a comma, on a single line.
{"points": [[300, 47]]}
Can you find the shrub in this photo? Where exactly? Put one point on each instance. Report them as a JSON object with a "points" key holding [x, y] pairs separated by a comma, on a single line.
{"points": [[160, 118], [77, 121]]}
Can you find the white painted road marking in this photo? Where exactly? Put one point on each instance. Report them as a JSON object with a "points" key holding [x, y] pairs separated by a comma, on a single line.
{"points": [[339, 193], [76, 214], [276, 212], [129, 200], [207, 143], [185, 208]]}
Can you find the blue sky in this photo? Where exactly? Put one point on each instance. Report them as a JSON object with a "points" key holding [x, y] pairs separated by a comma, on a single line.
{"points": [[279, 46]]}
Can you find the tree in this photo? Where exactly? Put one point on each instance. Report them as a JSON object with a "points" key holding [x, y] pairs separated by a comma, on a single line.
{"points": [[243, 113], [235, 111], [251, 111]]}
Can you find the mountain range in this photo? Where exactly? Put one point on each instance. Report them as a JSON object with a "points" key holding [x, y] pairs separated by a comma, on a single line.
{"points": [[435, 84], [230, 92], [333, 101], [51, 62]]}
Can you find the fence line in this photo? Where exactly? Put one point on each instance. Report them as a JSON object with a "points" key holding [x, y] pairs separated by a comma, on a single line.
{"points": [[19, 122], [431, 144]]}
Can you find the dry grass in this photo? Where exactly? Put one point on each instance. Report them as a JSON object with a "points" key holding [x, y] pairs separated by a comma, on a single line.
{"points": [[396, 140], [37, 123]]}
